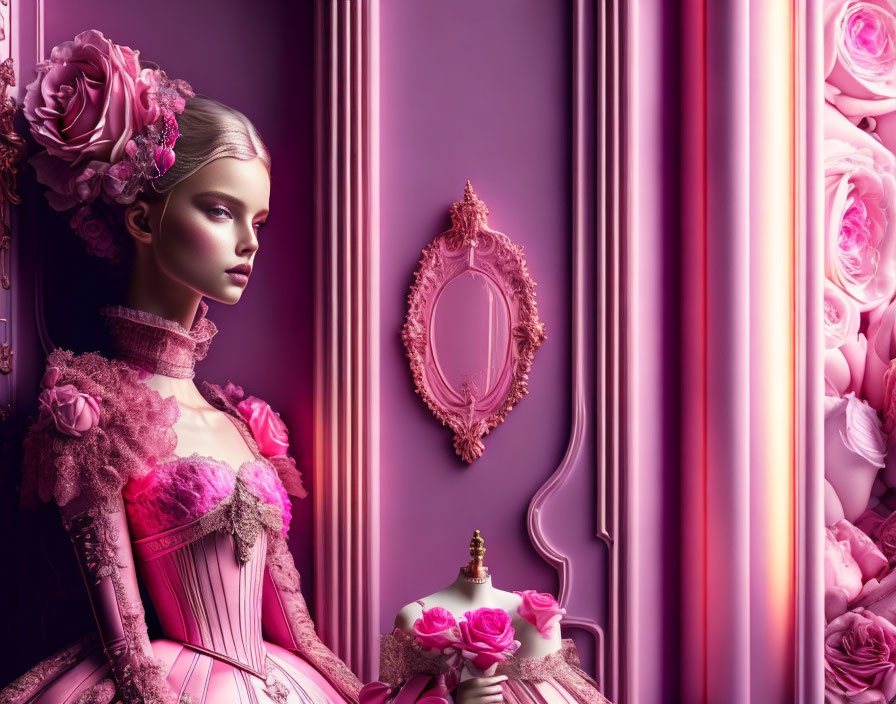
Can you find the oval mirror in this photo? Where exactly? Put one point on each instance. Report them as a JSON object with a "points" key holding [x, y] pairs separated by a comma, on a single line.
{"points": [[472, 326]]}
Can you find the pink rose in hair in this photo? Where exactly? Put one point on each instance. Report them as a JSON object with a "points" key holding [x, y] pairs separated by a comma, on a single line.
{"points": [[860, 56], [90, 98], [72, 412], [487, 638], [269, 431], [860, 658], [541, 610], [94, 231], [437, 629]]}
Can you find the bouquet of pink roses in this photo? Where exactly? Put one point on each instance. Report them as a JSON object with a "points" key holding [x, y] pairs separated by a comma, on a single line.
{"points": [[482, 640]]}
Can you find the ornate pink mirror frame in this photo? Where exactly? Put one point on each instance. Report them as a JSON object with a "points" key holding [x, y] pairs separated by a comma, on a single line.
{"points": [[472, 326]]}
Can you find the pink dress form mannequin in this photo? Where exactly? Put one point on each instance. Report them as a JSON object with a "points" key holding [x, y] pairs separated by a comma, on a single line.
{"points": [[544, 670], [208, 539]]}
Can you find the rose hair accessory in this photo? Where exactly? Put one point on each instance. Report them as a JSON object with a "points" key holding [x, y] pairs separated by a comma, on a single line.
{"points": [[108, 124]]}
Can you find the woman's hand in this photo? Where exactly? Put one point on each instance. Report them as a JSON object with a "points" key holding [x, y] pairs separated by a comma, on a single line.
{"points": [[480, 690]]}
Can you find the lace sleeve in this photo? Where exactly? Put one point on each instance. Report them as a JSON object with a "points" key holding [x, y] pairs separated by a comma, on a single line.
{"points": [[287, 623], [97, 427], [103, 547]]}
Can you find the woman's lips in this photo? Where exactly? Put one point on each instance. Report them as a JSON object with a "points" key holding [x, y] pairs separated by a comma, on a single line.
{"points": [[240, 273]]}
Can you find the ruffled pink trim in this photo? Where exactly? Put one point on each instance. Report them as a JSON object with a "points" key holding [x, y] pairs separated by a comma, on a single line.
{"points": [[159, 345], [224, 399], [134, 430], [176, 493]]}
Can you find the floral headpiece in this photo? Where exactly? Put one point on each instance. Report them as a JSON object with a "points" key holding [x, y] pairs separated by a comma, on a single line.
{"points": [[108, 126]]}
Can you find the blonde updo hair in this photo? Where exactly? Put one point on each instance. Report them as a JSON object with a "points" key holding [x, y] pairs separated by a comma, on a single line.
{"points": [[209, 130]]}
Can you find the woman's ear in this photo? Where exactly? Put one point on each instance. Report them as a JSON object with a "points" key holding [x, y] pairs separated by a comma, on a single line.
{"points": [[136, 220]]}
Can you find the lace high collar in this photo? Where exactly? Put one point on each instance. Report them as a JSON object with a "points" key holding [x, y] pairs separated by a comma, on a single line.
{"points": [[156, 344]]}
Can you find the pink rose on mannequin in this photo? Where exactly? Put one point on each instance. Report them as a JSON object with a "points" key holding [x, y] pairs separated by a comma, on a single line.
{"points": [[854, 451], [860, 192], [860, 56], [72, 412], [437, 629], [269, 431], [860, 658], [541, 610], [487, 638], [89, 99]]}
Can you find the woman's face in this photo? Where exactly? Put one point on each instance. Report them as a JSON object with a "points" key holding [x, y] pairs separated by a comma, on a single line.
{"points": [[208, 235]]}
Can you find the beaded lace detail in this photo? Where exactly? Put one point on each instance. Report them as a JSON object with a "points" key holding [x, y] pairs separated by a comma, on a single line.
{"points": [[26, 686], [139, 676], [241, 514], [159, 345], [401, 656], [286, 579]]}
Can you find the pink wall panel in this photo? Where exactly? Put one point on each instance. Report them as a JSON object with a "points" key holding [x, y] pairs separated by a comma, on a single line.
{"points": [[481, 92]]}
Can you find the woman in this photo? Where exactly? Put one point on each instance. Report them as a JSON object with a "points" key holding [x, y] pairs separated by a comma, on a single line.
{"points": [[187, 486]]}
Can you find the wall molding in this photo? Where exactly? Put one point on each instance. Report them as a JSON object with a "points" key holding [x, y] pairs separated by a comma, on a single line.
{"points": [[598, 294], [346, 338]]}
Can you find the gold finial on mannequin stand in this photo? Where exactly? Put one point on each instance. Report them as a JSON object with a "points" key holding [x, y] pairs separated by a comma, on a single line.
{"points": [[475, 571]]}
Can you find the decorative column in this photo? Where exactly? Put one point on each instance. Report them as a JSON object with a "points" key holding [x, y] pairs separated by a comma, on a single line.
{"points": [[345, 333], [722, 307]]}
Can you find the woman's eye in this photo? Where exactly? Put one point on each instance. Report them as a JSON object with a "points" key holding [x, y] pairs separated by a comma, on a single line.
{"points": [[218, 211], [259, 225]]}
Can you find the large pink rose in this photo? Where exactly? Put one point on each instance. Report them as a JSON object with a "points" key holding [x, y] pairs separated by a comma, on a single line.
{"points": [[269, 431], [89, 98], [437, 629], [72, 412], [854, 451], [870, 559], [860, 198], [860, 658], [841, 317], [860, 56], [842, 576], [845, 347], [487, 637], [541, 610]]}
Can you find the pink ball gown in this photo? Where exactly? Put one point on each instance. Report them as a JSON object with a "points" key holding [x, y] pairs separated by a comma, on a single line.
{"points": [[208, 539]]}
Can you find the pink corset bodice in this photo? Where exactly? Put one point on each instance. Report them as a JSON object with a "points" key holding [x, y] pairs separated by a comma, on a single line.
{"points": [[200, 532]]}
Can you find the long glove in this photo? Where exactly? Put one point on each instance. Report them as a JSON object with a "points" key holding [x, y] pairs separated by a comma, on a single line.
{"points": [[287, 622], [102, 545]]}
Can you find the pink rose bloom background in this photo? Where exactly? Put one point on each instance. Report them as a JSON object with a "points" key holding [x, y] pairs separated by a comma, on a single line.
{"points": [[870, 559], [269, 431], [855, 447], [487, 637], [72, 412], [437, 629], [860, 193], [860, 56], [860, 658], [842, 576], [541, 610]]}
